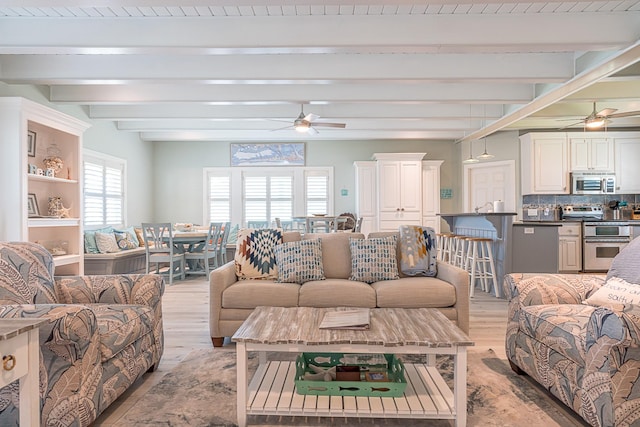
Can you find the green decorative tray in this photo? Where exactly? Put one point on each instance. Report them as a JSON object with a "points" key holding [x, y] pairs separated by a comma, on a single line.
{"points": [[394, 387]]}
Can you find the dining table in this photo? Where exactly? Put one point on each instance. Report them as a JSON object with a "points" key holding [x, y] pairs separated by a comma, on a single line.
{"points": [[319, 223], [188, 241]]}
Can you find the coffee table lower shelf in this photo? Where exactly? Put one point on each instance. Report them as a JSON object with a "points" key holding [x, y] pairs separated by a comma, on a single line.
{"points": [[272, 392]]}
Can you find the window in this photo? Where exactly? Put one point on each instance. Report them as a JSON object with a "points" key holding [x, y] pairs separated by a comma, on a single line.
{"points": [[260, 195], [103, 185]]}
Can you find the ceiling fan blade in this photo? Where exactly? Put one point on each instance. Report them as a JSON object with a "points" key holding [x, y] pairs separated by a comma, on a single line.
{"points": [[625, 114], [311, 117], [312, 131], [330, 125], [286, 127], [581, 122], [607, 112]]}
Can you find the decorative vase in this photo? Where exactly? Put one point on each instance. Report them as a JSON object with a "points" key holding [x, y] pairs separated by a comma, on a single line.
{"points": [[53, 159]]}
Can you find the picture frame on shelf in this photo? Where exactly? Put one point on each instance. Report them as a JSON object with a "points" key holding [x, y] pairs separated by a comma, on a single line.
{"points": [[31, 143], [32, 205]]}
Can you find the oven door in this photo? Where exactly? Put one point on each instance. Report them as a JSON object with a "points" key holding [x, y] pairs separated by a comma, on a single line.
{"points": [[599, 253]]}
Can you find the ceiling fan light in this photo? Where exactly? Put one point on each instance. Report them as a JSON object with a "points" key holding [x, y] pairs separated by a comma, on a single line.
{"points": [[594, 123], [302, 127]]}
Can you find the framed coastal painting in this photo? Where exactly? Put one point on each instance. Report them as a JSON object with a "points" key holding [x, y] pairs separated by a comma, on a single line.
{"points": [[271, 154]]}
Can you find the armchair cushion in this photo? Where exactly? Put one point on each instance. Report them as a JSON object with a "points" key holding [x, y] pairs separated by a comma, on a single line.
{"points": [[26, 274], [122, 325]]}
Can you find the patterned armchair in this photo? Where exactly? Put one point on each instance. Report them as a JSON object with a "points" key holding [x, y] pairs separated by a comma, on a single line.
{"points": [[102, 333], [587, 356]]}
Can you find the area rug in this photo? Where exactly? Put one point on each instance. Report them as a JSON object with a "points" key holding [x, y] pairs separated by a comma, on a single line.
{"points": [[201, 392]]}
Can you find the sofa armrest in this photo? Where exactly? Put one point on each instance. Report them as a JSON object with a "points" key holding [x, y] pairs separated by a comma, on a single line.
{"points": [[219, 280], [459, 278], [70, 363], [141, 289], [542, 288]]}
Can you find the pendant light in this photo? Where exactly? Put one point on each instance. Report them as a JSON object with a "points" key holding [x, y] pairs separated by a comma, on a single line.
{"points": [[470, 159], [485, 155]]}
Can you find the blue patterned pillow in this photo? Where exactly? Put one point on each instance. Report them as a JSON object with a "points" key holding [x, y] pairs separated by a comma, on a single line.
{"points": [[124, 240], [373, 260], [417, 250], [254, 253], [299, 262]]}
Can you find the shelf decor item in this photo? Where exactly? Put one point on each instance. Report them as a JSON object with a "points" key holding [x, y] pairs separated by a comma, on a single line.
{"points": [[31, 143], [32, 205], [53, 159], [56, 208]]}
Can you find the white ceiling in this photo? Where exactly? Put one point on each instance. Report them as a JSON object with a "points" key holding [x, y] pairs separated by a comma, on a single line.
{"points": [[237, 71]]}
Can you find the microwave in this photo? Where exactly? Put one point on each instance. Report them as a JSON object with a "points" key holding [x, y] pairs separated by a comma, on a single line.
{"points": [[593, 183]]}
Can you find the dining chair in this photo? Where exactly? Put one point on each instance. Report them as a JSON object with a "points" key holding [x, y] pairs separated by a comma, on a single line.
{"points": [[201, 255], [159, 248], [257, 224], [222, 243], [358, 227]]}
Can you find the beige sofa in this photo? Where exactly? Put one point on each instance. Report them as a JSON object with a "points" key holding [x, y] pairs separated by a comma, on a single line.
{"points": [[231, 300]]}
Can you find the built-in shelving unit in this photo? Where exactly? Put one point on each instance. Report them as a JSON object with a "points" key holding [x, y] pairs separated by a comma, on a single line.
{"points": [[29, 134]]}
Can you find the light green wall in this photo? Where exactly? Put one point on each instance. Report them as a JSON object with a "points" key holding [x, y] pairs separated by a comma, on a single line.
{"points": [[179, 176], [103, 137]]}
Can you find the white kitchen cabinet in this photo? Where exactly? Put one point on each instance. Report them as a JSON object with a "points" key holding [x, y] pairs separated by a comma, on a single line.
{"points": [[366, 195], [431, 193], [627, 151], [399, 179], [544, 163], [30, 132], [591, 154], [570, 250]]}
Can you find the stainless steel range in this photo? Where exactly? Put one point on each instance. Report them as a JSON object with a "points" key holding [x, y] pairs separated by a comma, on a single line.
{"points": [[602, 241], [580, 213]]}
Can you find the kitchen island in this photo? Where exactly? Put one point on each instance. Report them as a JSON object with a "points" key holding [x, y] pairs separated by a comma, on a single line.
{"points": [[494, 225]]}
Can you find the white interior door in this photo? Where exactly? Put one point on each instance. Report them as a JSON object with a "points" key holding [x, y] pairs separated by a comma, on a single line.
{"points": [[487, 182]]}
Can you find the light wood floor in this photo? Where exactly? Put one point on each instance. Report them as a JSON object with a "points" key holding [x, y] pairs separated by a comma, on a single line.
{"points": [[185, 308]]}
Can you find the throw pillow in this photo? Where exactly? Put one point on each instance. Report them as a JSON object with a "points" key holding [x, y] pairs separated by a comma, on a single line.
{"points": [[140, 236], [299, 262], [626, 264], [373, 260], [90, 245], [254, 257], [615, 291], [132, 232], [106, 242], [417, 251], [124, 240]]}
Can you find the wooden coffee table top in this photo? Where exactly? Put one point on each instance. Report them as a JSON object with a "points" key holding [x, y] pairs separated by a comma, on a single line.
{"points": [[390, 327]]}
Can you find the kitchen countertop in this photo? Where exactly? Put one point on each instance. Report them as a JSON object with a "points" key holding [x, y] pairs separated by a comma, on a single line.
{"points": [[478, 214]]}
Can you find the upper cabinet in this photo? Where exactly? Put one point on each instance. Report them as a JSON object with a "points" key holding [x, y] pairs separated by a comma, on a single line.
{"points": [[41, 166], [627, 151], [544, 163], [591, 154]]}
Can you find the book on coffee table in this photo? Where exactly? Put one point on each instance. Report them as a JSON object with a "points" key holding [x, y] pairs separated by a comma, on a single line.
{"points": [[346, 319]]}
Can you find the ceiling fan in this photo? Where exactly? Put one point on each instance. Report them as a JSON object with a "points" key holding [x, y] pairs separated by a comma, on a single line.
{"points": [[598, 119], [307, 123]]}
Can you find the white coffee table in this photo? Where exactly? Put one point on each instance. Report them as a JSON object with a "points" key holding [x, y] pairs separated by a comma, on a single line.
{"points": [[424, 331]]}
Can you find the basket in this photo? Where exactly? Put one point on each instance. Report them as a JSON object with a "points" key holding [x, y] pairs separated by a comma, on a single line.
{"points": [[394, 387]]}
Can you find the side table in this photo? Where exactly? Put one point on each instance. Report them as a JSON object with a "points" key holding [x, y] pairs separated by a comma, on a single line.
{"points": [[20, 353]]}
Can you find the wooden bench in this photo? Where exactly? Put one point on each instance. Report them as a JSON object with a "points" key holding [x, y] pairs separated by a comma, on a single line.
{"points": [[123, 262]]}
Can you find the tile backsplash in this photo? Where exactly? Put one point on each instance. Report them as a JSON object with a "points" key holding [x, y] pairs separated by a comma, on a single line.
{"points": [[555, 200]]}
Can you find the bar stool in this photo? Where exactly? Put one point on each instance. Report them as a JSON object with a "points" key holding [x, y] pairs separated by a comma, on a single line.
{"points": [[481, 266], [460, 251], [443, 246]]}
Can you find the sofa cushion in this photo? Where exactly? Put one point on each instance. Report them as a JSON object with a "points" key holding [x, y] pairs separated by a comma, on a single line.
{"points": [[614, 292], [254, 253], [120, 325], [299, 262], [561, 327], [336, 254], [414, 292], [254, 293], [373, 260], [337, 292], [417, 250]]}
